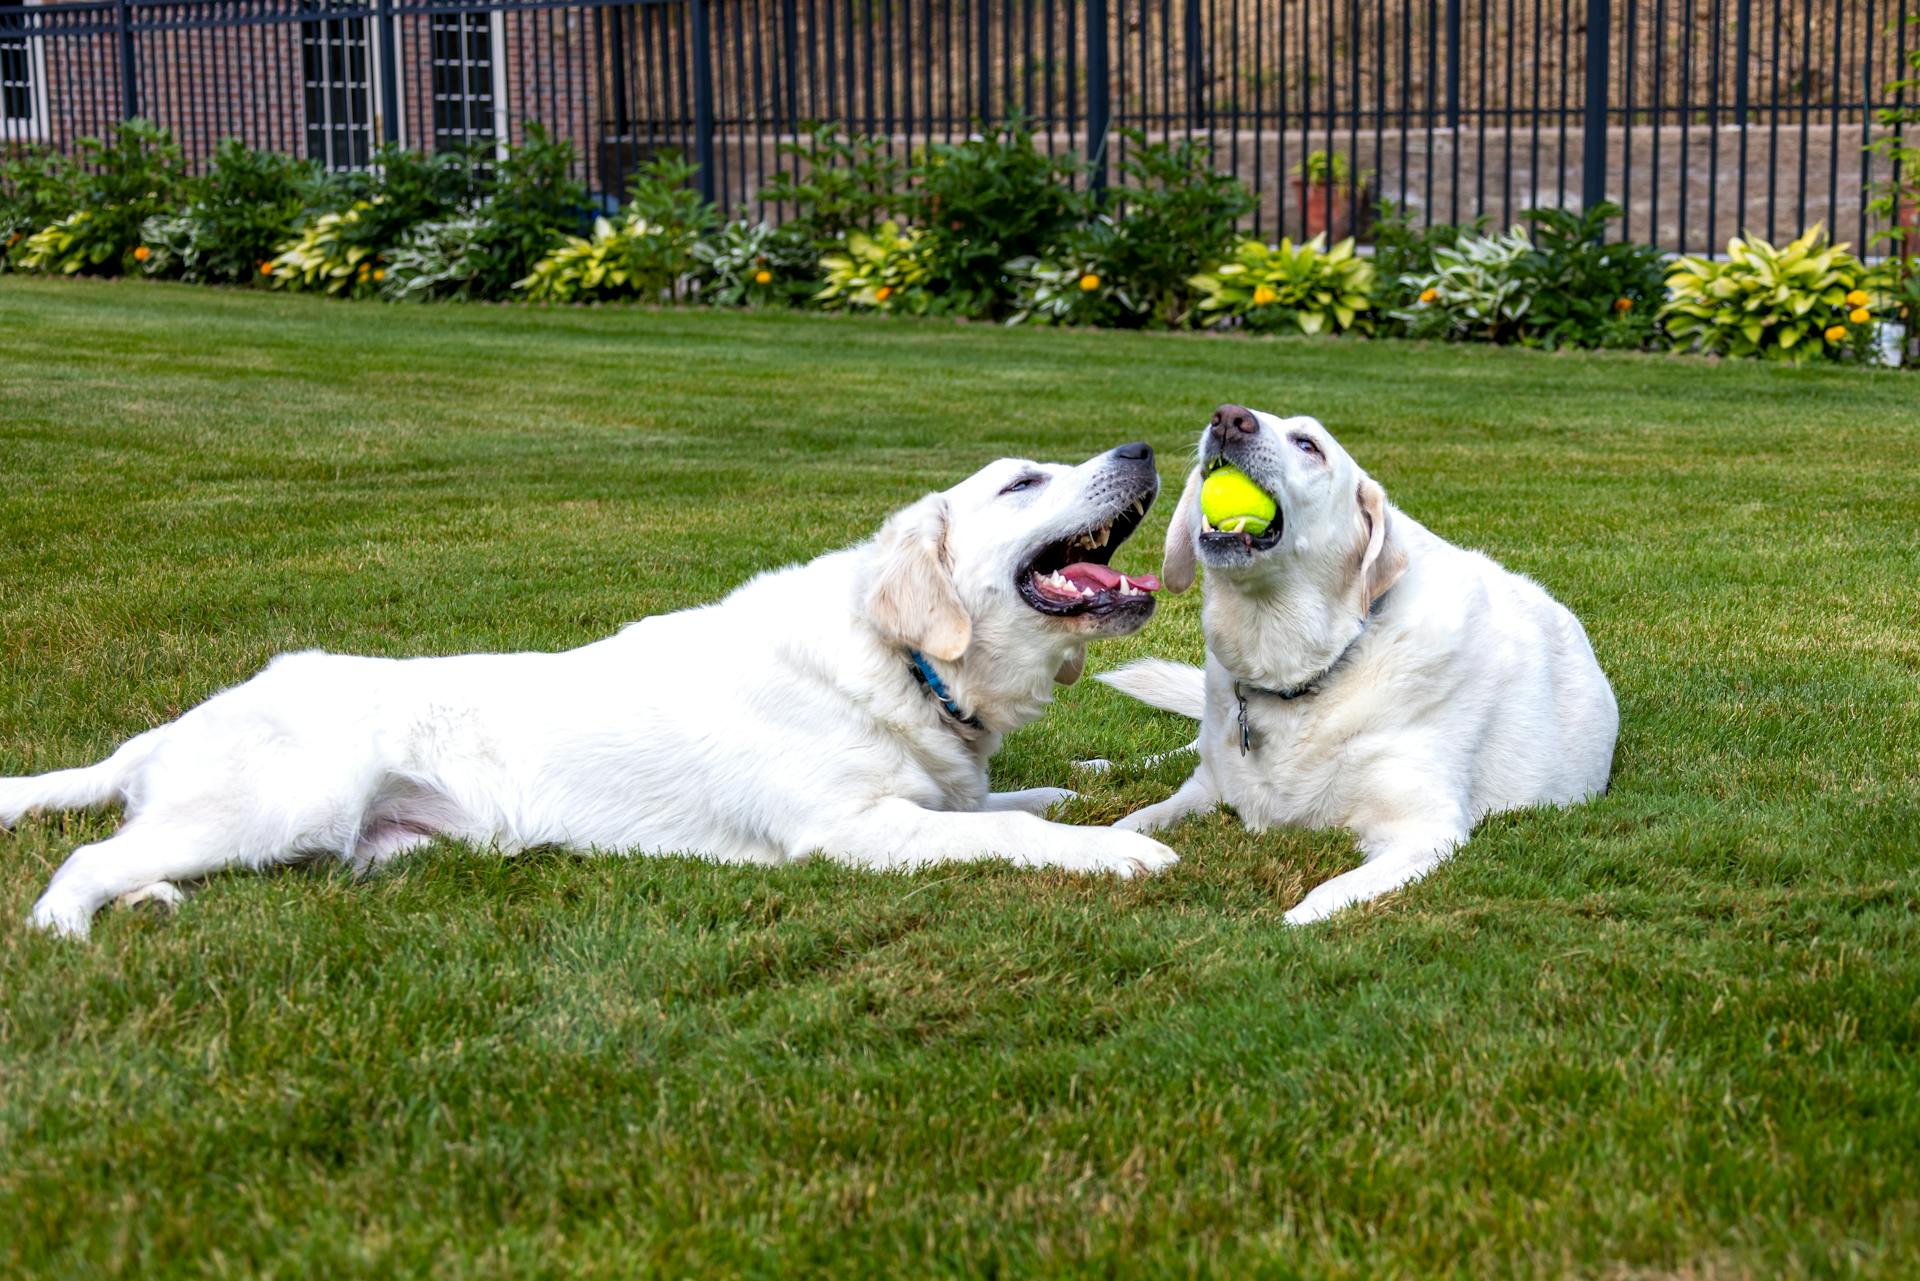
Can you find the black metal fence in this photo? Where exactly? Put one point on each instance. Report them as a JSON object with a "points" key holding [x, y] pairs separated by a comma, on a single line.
{"points": [[1703, 118]]}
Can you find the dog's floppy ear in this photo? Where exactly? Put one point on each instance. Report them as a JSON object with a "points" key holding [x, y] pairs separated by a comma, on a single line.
{"points": [[1070, 670], [1177, 566], [1384, 560], [912, 597]]}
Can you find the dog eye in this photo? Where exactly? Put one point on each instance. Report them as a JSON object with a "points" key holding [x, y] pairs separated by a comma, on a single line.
{"points": [[1306, 446], [1025, 482]]}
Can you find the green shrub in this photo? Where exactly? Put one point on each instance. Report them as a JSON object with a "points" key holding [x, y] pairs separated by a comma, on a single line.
{"points": [[1179, 217], [1479, 288], [1307, 288], [485, 253], [1789, 303], [242, 212], [535, 199], [885, 271], [37, 187], [1078, 283], [756, 265], [984, 202], [1586, 290], [846, 185], [118, 184]]}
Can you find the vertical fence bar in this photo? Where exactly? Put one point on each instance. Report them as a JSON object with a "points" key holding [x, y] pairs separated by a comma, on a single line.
{"points": [[129, 71], [1196, 82], [1099, 107], [702, 54], [1453, 68], [1593, 165], [389, 73]]}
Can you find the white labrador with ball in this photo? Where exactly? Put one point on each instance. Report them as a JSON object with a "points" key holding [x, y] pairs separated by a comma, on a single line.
{"points": [[847, 707], [1362, 672]]}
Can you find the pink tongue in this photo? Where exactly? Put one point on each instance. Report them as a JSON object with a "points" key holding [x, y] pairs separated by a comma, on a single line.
{"points": [[1105, 577]]}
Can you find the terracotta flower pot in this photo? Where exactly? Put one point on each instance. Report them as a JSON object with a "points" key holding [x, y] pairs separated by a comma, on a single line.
{"points": [[1313, 198]]}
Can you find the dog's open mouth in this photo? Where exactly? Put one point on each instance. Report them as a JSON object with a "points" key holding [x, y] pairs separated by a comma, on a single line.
{"points": [[1239, 537], [1072, 576]]}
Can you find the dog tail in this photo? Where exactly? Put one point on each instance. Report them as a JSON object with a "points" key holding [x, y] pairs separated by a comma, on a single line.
{"points": [[88, 787], [1171, 687]]}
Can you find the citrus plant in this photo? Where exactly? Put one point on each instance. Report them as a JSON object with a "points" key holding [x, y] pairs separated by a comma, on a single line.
{"points": [[1306, 288], [1801, 301]]}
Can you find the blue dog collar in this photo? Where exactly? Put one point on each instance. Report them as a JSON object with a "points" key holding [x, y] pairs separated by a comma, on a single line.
{"points": [[923, 671]]}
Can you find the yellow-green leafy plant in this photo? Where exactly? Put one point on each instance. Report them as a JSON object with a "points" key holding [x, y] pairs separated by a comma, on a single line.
{"points": [[884, 271], [1807, 300], [337, 253], [633, 258], [70, 246], [1306, 288]]}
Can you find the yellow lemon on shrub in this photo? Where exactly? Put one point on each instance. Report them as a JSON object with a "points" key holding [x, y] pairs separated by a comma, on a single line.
{"points": [[1428, 295], [1263, 295], [1089, 283], [1232, 502], [1858, 298], [1837, 333], [762, 277], [1860, 315]]}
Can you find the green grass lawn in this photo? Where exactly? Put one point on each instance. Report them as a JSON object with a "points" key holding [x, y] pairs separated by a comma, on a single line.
{"points": [[1670, 1033]]}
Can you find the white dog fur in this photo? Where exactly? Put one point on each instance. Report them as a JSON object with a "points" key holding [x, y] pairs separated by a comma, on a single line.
{"points": [[782, 721], [1430, 687]]}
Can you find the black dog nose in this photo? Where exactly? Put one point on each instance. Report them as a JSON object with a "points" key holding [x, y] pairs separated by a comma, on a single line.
{"points": [[1234, 418], [1138, 452]]}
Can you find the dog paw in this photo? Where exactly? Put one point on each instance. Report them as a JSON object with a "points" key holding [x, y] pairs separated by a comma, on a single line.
{"points": [[165, 894], [1134, 855], [61, 917]]}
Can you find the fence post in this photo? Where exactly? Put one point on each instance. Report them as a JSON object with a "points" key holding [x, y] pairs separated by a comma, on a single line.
{"points": [[702, 98], [983, 42], [1453, 64], [129, 72], [1099, 107], [1593, 166], [389, 73]]}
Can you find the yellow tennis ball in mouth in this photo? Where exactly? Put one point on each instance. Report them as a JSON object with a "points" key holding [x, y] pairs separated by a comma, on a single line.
{"points": [[1232, 502]]}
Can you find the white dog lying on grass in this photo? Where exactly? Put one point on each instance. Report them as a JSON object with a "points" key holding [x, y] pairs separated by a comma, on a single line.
{"points": [[847, 706], [1362, 672]]}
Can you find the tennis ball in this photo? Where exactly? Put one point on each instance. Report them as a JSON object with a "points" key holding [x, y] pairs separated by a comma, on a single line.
{"points": [[1232, 502]]}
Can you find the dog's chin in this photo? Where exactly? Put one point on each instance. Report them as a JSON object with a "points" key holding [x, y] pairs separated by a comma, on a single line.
{"points": [[1109, 616], [1230, 553]]}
